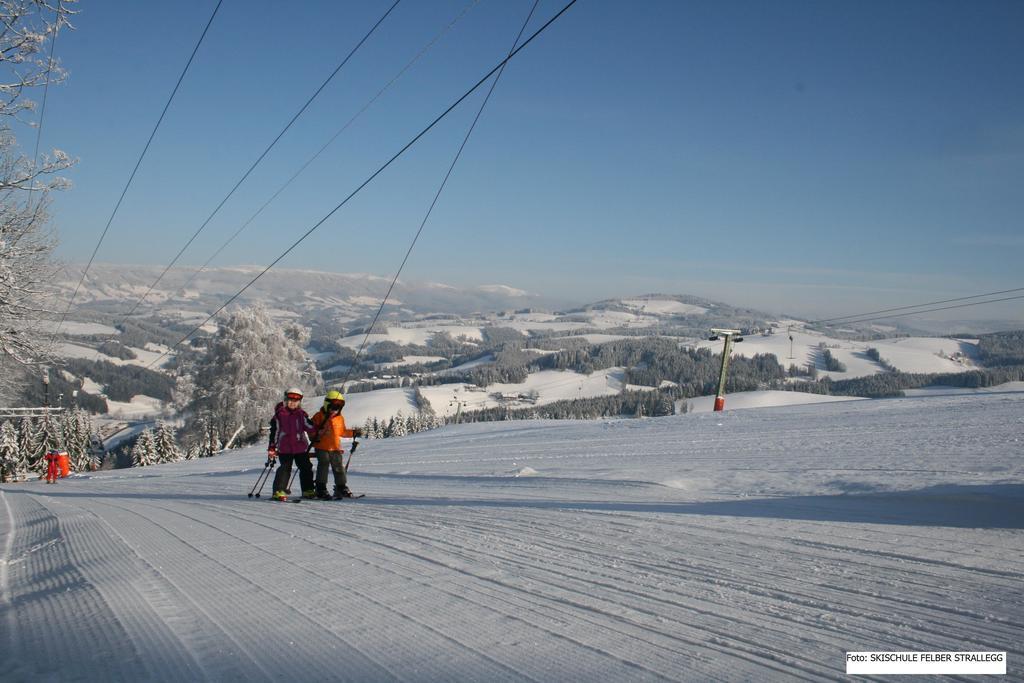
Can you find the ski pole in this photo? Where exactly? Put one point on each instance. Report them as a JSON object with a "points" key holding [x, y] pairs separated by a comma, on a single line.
{"points": [[352, 451], [261, 481], [289, 489]]}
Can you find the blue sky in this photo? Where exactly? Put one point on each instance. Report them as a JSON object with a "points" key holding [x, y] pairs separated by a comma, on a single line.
{"points": [[801, 157]]}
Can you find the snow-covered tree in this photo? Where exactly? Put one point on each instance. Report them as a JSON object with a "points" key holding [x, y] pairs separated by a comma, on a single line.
{"points": [[26, 27], [144, 451], [48, 438], [166, 448], [247, 365], [10, 459], [398, 425], [77, 429], [27, 443]]}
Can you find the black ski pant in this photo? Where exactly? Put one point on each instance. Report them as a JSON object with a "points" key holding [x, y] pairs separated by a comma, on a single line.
{"points": [[335, 462], [284, 471]]}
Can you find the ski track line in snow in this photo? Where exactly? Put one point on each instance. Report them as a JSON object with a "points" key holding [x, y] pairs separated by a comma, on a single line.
{"points": [[579, 600], [349, 589], [543, 669], [900, 559], [48, 593], [892, 562], [928, 605], [576, 609], [363, 594], [257, 604], [10, 620], [126, 583], [460, 594], [614, 584]]}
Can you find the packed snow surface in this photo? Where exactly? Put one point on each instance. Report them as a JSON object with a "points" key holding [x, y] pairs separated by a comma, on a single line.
{"points": [[747, 545]]}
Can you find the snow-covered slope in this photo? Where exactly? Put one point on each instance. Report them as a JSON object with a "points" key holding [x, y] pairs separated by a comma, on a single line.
{"points": [[746, 545], [908, 354]]}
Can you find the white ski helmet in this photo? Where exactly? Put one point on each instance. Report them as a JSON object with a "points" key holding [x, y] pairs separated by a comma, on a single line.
{"points": [[294, 391]]}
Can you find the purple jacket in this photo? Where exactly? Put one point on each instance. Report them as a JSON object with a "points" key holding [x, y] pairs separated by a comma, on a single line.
{"points": [[288, 430]]}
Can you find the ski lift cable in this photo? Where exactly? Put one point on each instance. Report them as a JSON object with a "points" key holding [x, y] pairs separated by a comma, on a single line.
{"points": [[135, 170], [334, 137], [260, 158], [943, 308], [903, 308], [440, 189], [370, 179]]}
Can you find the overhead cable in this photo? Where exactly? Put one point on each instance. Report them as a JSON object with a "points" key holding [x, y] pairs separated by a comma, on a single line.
{"points": [[366, 182], [334, 137], [932, 310], [260, 158], [440, 189], [903, 308], [135, 170]]}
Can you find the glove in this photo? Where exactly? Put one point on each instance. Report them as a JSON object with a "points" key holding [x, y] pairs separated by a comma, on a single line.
{"points": [[357, 432], [271, 453]]}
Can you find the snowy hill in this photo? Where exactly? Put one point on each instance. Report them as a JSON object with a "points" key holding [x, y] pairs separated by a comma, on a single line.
{"points": [[907, 354], [183, 295], [746, 545]]}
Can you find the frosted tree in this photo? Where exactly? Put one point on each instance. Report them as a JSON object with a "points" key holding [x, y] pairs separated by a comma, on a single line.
{"points": [[10, 459], [166, 448], [27, 443], [26, 242], [77, 430], [48, 438], [246, 366], [398, 427], [90, 460], [144, 451], [368, 431]]}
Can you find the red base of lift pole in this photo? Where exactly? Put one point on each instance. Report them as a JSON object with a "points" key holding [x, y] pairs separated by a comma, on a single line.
{"points": [[719, 403]]}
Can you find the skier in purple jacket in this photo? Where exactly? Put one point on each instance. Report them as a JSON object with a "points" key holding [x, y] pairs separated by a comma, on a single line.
{"points": [[290, 429]]}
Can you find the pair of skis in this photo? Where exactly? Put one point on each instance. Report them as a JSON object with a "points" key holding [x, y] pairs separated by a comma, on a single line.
{"points": [[268, 467], [354, 496]]}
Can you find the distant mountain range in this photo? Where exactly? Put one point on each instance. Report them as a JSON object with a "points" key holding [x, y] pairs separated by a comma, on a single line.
{"points": [[349, 296]]}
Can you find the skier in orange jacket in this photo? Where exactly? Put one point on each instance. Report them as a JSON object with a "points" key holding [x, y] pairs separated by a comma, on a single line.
{"points": [[330, 431]]}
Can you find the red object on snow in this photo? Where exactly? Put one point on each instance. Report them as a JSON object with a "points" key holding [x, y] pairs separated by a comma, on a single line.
{"points": [[63, 463], [53, 465]]}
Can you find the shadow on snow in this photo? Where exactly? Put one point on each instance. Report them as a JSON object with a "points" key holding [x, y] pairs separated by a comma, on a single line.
{"points": [[993, 506]]}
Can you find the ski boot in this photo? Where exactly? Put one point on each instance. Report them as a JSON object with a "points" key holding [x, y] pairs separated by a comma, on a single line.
{"points": [[342, 493], [280, 495], [309, 493]]}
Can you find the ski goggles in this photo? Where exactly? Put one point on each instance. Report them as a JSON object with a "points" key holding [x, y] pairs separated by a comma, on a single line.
{"points": [[293, 397], [337, 405]]}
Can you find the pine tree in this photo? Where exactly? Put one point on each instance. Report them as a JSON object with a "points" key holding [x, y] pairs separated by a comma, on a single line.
{"points": [[48, 438], [9, 457], [398, 425], [26, 444], [91, 459], [368, 430], [144, 450], [77, 428], [166, 449]]}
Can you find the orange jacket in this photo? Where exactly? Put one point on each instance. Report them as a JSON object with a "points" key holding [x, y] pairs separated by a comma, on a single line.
{"points": [[331, 434]]}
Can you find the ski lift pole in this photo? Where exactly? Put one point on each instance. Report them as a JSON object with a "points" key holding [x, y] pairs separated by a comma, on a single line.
{"points": [[730, 337]]}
